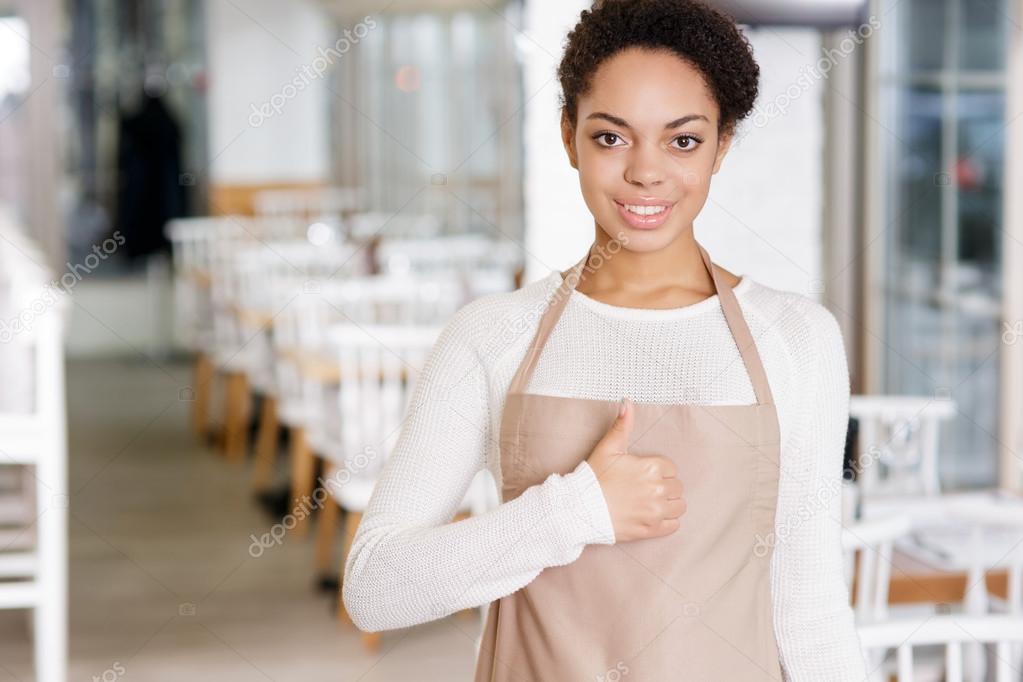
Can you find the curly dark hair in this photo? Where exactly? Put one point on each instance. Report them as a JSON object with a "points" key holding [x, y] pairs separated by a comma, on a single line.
{"points": [[701, 35]]}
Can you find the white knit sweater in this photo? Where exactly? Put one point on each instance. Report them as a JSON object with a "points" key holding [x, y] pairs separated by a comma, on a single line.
{"points": [[409, 564]]}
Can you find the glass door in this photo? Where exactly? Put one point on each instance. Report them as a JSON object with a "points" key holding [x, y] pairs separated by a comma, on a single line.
{"points": [[940, 145]]}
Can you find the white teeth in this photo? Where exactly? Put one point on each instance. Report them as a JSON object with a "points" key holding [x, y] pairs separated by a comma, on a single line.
{"points": [[644, 210]]}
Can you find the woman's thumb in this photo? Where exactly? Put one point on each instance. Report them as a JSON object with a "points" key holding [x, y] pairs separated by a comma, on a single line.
{"points": [[616, 439], [623, 423]]}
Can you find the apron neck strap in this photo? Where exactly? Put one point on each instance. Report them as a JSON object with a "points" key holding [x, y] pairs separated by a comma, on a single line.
{"points": [[729, 306]]}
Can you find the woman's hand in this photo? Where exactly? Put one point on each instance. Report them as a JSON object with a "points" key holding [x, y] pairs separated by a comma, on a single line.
{"points": [[643, 494]]}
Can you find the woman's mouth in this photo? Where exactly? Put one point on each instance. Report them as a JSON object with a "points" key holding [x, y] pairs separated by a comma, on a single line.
{"points": [[644, 216]]}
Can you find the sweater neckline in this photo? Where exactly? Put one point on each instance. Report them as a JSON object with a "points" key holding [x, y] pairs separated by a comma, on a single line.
{"points": [[652, 314]]}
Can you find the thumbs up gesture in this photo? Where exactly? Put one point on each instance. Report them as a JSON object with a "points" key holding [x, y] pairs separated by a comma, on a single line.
{"points": [[643, 493]]}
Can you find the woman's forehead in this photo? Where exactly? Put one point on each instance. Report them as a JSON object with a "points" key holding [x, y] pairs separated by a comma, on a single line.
{"points": [[648, 88]]}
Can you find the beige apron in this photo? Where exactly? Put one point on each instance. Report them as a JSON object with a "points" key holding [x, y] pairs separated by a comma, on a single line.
{"points": [[694, 605]]}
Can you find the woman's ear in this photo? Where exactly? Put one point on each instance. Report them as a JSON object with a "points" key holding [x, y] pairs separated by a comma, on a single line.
{"points": [[724, 144], [568, 139]]}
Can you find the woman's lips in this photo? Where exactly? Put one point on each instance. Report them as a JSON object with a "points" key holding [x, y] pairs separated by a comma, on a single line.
{"points": [[644, 222]]}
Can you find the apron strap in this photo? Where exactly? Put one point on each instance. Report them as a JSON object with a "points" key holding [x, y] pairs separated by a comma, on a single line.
{"points": [[555, 306], [729, 306], [740, 333]]}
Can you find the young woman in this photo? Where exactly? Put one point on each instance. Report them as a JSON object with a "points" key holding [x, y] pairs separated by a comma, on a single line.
{"points": [[691, 532]]}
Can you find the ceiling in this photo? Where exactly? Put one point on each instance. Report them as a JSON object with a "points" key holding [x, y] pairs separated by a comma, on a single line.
{"points": [[820, 13]]}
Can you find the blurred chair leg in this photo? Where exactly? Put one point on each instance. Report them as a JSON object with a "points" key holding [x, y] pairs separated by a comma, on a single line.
{"points": [[371, 641], [352, 519], [303, 469], [203, 386], [266, 445], [236, 416], [326, 529]]}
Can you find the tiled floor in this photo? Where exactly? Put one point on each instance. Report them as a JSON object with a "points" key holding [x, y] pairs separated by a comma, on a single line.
{"points": [[162, 583]]}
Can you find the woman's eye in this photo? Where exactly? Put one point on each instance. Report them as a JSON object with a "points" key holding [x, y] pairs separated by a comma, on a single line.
{"points": [[604, 137], [686, 142]]}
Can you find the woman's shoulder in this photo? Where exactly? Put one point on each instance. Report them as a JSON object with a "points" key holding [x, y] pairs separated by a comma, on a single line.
{"points": [[495, 320], [797, 320]]}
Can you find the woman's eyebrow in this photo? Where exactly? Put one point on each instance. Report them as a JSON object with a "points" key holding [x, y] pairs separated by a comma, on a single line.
{"points": [[667, 126]]}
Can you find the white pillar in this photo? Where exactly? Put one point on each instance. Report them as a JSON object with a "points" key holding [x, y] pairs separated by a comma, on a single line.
{"points": [[1010, 436], [559, 227]]}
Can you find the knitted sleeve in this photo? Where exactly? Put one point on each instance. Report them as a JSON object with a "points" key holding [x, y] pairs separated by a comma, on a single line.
{"points": [[814, 623], [409, 563]]}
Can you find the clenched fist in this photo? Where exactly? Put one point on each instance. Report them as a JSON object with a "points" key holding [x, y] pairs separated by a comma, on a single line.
{"points": [[643, 493]]}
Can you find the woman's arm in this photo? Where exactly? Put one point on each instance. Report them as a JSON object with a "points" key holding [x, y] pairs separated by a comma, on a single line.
{"points": [[817, 637], [408, 564]]}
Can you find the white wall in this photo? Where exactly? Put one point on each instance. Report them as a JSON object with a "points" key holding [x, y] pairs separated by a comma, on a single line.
{"points": [[558, 224], [763, 216], [255, 49]]}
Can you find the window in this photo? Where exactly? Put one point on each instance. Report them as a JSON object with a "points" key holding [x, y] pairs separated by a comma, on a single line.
{"points": [[941, 138], [427, 117]]}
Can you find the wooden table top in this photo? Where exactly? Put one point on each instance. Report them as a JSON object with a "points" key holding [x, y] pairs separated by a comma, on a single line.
{"points": [[913, 582]]}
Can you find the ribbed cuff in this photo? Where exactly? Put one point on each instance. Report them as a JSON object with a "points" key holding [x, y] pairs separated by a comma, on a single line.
{"points": [[588, 506]]}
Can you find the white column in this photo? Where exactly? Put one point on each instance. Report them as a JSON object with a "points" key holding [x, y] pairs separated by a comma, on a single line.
{"points": [[559, 227], [763, 217], [1010, 436]]}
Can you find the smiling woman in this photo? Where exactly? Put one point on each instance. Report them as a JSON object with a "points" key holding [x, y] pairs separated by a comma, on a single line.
{"points": [[651, 97], [637, 537]]}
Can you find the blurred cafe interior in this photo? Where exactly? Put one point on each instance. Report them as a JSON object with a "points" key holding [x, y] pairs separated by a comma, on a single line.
{"points": [[205, 205]]}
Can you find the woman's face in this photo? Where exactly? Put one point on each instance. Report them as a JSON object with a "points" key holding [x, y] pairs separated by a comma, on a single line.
{"points": [[645, 144]]}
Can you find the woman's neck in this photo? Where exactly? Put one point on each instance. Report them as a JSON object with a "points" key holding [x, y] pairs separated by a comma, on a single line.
{"points": [[672, 277]]}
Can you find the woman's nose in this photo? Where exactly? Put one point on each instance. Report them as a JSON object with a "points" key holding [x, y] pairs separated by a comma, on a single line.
{"points": [[645, 166]]}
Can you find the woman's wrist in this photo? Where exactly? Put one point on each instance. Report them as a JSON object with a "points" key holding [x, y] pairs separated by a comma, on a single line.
{"points": [[588, 507]]}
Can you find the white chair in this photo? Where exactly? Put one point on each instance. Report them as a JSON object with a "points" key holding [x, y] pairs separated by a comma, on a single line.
{"points": [[378, 367], [241, 263], [483, 265], [201, 251], [447, 252], [968, 533], [386, 226], [273, 279], [256, 271], [368, 300], [867, 551], [898, 443], [872, 542], [950, 631], [191, 246], [374, 300], [995, 540], [190, 240], [36, 577]]}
